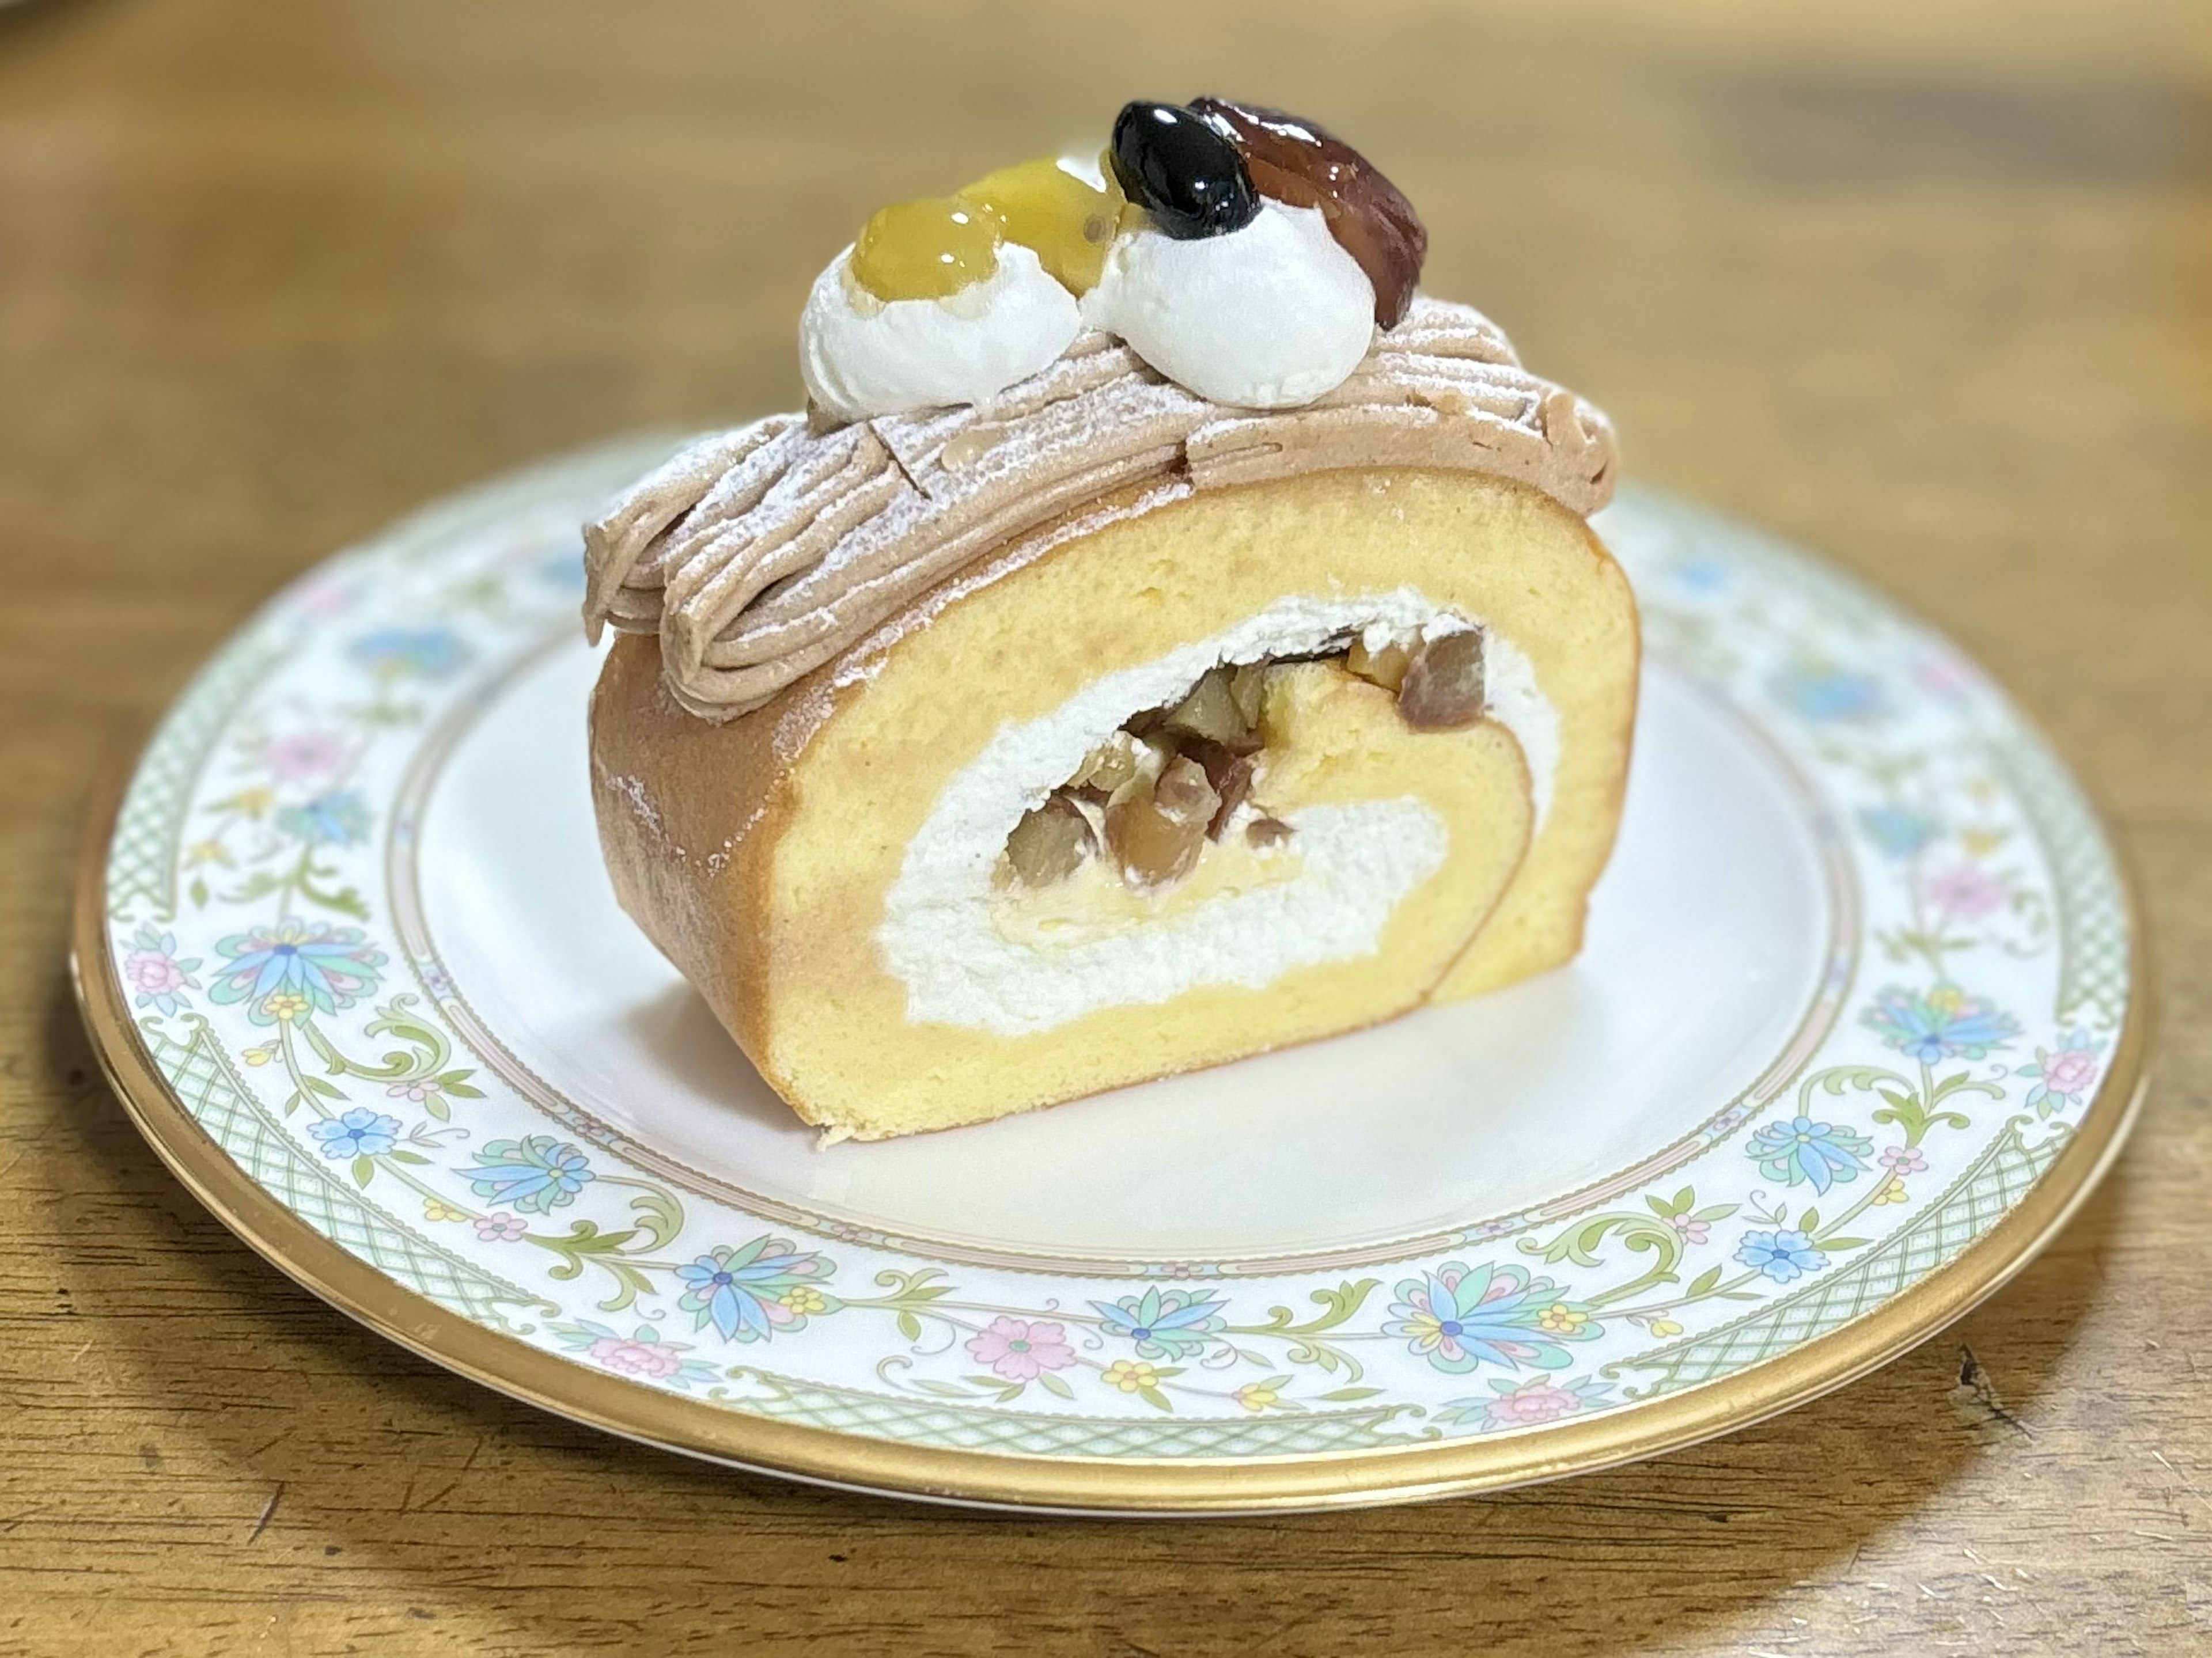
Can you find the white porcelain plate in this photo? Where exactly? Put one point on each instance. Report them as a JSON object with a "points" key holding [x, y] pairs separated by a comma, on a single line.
{"points": [[1852, 1032]]}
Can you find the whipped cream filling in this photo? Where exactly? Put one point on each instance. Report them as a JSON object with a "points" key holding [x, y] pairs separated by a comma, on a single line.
{"points": [[1517, 702], [1357, 863], [1269, 316], [861, 356]]}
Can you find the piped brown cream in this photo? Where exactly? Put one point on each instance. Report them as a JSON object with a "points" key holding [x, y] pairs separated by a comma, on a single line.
{"points": [[759, 555]]}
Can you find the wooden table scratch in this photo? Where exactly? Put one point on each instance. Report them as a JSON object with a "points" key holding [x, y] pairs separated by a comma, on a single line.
{"points": [[1929, 287]]}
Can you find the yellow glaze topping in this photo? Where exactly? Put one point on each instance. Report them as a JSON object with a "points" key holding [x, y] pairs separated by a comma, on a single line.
{"points": [[1067, 222], [927, 250]]}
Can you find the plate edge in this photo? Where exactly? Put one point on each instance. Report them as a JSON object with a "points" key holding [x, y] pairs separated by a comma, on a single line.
{"points": [[1426, 1471]]}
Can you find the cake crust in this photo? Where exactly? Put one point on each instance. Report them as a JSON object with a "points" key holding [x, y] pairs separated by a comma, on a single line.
{"points": [[736, 847]]}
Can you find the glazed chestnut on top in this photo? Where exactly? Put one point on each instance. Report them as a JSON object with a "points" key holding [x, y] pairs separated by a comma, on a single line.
{"points": [[1200, 169], [1298, 163]]}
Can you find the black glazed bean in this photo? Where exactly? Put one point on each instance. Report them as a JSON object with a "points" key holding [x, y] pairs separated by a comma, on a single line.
{"points": [[1188, 176]]}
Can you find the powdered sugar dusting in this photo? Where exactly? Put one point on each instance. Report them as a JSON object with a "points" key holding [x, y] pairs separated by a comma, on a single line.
{"points": [[634, 793]]}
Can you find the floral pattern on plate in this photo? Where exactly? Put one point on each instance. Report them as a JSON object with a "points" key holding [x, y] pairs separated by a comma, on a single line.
{"points": [[250, 928]]}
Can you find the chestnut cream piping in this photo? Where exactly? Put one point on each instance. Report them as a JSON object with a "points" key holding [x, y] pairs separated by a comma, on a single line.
{"points": [[758, 555]]}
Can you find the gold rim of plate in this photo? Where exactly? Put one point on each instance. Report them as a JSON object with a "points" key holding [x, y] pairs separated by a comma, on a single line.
{"points": [[1323, 1480]]}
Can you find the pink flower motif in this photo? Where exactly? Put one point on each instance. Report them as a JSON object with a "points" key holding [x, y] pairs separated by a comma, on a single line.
{"points": [[416, 1091], [1965, 889], [653, 1358], [154, 972], [1693, 1231], [1903, 1160], [2068, 1070], [1020, 1351], [329, 598], [1943, 680], [158, 975], [1536, 1400], [501, 1227], [303, 756]]}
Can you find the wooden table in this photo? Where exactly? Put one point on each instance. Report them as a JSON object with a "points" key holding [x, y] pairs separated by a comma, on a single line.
{"points": [[1928, 286]]}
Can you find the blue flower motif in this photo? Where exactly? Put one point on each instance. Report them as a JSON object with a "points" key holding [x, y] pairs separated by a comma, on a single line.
{"points": [[563, 571], [1896, 832], [1945, 1023], [534, 1174], [1164, 1324], [1802, 1150], [360, 1133], [1829, 696], [1458, 1317], [289, 968], [1702, 573], [405, 652], [750, 1293], [339, 819], [1782, 1255]]}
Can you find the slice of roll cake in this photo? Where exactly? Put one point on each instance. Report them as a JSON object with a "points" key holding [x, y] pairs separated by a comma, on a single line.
{"points": [[981, 754]]}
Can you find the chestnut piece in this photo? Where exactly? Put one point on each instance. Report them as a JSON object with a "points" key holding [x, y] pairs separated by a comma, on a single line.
{"points": [[1444, 686], [1212, 711], [1157, 835], [1300, 164], [1229, 773], [1050, 843]]}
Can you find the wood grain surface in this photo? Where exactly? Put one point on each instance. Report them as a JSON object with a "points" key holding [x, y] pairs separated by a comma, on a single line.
{"points": [[1927, 285]]}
